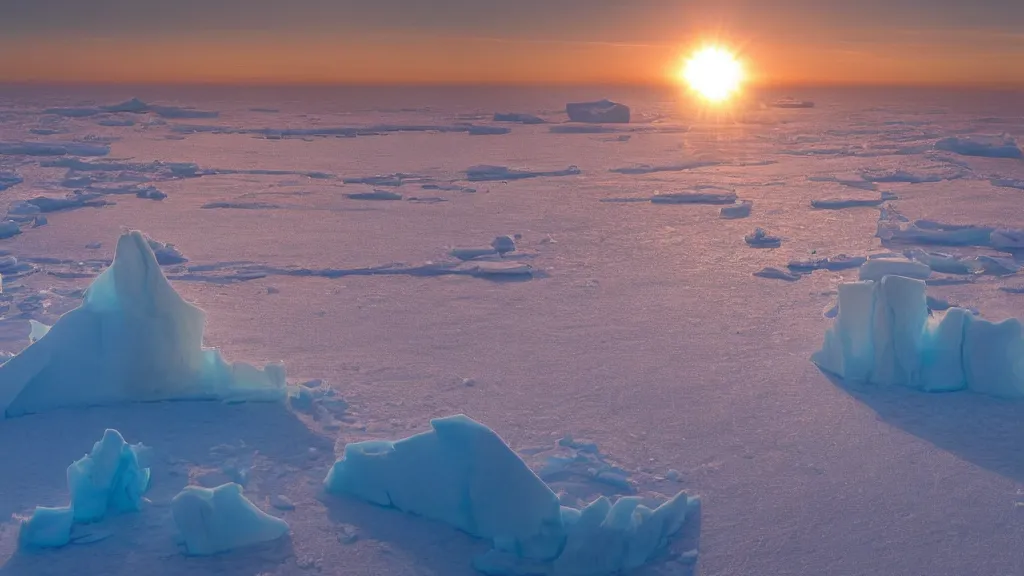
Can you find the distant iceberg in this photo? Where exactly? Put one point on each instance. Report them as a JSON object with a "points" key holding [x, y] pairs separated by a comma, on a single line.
{"points": [[602, 111], [463, 474], [986, 146], [792, 103], [884, 334], [132, 339], [518, 118]]}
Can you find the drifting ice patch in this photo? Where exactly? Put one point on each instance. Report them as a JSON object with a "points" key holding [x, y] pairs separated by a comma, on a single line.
{"points": [[132, 339], [220, 519], [8, 180], [463, 474], [647, 169], [985, 146], [111, 478], [841, 203], [52, 149], [696, 197], [739, 210], [602, 111], [518, 118], [885, 335], [759, 238], [488, 173]]}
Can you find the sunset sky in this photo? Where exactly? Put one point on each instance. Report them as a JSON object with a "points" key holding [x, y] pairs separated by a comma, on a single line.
{"points": [[514, 41]]}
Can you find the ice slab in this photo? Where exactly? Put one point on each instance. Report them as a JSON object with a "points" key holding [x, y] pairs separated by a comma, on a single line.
{"points": [[487, 130], [239, 205], [981, 145], [833, 263], [884, 334], [739, 210], [216, 520], [760, 238], [9, 180], [680, 167], [374, 195], [601, 111], [132, 339], [1008, 183], [777, 274], [52, 149], [695, 197], [488, 172], [518, 117], [9, 228], [463, 474], [840, 203]]}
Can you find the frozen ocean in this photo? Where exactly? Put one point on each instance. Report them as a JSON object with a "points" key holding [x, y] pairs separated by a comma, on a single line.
{"points": [[460, 334]]}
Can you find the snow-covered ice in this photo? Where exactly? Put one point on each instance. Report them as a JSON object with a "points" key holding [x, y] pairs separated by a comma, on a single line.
{"points": [[133, 339], [216, 520]]}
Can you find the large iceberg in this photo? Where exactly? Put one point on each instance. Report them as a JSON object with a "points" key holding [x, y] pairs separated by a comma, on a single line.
{"points": [[602, 111], [112, 478], [215, 520], [884, 334], [132, 339], [463, 474]]}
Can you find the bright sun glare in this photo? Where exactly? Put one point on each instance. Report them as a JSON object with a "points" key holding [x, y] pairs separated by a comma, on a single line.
{"points": [[714, 73]]}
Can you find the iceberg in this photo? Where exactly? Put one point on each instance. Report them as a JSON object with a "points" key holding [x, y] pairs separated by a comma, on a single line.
{"points": [[792, 103], [884, 334], [215, 520], [111, 478], [981, 145], [877, 268], [463, 474], [8, 180], [602, 111], [133, 339]]}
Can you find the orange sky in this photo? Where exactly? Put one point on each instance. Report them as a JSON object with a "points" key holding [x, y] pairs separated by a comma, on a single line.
{"points": [[904, 57]]}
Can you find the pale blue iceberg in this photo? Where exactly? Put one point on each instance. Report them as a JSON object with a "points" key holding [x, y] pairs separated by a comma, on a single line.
{"points": [[884, 334], [215, 520], [132, 339], [112, 478], [463, 474]]}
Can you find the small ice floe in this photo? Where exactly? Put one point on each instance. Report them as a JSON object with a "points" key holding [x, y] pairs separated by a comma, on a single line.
{"points": [[759, 238], [9, 228], [792, 103], [492, 173], [601, 112], [695, 197], [503, 244], [518, 118], [777, 274], [833, 263], [239, 205], [740, 209], [840, 203], [374, 195]]}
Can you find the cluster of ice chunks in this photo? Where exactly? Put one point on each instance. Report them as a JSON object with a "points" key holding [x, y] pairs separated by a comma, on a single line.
{"points": [[463, 474]]}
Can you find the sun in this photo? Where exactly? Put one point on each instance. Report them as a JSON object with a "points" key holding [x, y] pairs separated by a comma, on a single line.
{"points": [[714, 73]]}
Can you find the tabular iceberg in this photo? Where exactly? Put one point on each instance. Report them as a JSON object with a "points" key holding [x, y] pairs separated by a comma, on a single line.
{"points": [[602, 111], [463, 474], [884, 334], [132, 339]]}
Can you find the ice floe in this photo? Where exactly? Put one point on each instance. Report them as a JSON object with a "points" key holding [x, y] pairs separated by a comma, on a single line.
{"points": [[374, 195], [215, 520], [1008, 183], [885, 335], [777, 274], [841, 203], [239, 205], [601, 111], [53, 149], [492, 173], [833, 263], [132, 339], [697, 196], [981, 145], [518, 118], [648, 169], [759, 238], [792, 103], [740, 209], [9, 180], [463, 474]]}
